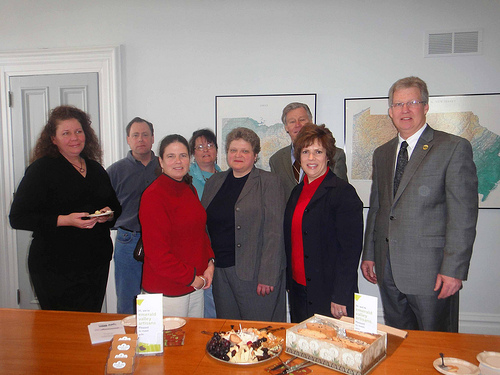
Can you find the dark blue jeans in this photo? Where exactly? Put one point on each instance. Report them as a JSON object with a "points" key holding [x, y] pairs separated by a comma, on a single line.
{"points": [[128, 271]]}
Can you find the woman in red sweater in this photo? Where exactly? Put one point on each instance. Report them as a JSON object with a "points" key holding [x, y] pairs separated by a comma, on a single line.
{"points": [[178, 258]]}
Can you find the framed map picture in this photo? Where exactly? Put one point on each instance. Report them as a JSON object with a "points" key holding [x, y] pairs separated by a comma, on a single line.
{"points": [[474, 117], [262, 114]]}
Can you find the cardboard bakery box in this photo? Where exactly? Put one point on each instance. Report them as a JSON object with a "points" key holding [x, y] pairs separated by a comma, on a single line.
{"points": [[357, 358]]}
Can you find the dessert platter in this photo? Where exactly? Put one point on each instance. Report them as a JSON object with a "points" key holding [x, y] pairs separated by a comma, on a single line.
{"points": [[247, 346]]}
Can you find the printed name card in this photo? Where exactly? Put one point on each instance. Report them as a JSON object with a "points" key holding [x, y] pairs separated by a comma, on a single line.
{"points": [[104, 331], [365, 313], [150, 324]]}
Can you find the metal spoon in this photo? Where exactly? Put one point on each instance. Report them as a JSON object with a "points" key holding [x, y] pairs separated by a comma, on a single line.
{"points": [[442, 365]]}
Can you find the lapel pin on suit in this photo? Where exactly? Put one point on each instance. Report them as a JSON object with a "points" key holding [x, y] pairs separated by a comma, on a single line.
{"points": [[425, 147]]}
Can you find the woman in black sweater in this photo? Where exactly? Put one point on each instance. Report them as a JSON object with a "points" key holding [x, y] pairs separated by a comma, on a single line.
{"points": [[65, 183]]}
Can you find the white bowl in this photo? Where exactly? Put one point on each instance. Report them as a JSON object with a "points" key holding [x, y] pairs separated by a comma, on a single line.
{"points": [[489, 363]]}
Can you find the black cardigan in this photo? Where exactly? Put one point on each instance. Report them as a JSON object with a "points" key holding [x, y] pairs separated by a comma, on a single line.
{"points": [[53, 187]]}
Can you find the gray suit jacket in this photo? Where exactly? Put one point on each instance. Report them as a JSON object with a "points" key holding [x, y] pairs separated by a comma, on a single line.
{"points": [[281, 164], [429, 226], [259, 213]]}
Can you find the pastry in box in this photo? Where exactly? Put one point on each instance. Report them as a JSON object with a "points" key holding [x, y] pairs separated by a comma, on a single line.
{"points": [[335, 344]]}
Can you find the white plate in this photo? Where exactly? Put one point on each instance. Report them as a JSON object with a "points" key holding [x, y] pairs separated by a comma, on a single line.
{"points": [[459, 366], [491, 359], [101, 214], [169, 322], [172, 322], [129, 321]]}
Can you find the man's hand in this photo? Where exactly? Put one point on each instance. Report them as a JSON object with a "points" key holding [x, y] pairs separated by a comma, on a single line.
{"points": [[264, 290], [368, 268], [448, 285]]}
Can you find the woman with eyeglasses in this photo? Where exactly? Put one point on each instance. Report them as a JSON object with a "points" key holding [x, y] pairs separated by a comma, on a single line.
{"points": [[203, 146]]}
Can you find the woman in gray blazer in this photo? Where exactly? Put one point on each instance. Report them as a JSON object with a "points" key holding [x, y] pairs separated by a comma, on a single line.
{"points": [[245, 207]]}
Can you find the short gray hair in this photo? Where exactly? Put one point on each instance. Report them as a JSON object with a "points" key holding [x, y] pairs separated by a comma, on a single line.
{"points": [[406, 83], [291, 107]]}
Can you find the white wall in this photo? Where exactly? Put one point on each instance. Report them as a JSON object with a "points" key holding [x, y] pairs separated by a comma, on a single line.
{"points": [[178, 55]]}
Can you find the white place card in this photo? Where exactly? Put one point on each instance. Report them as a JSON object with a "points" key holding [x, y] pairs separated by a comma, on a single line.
{"points": [[150, 324], [104, 331], [365, 313]]}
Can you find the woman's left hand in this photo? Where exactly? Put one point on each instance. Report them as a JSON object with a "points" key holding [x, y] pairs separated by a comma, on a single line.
{"points": [[103, 219], [209, 275], [338, 310], [264, 290]]}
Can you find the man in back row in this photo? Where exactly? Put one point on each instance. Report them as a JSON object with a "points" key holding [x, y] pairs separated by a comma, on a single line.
{"points": [[295, 116], [130, 176]]}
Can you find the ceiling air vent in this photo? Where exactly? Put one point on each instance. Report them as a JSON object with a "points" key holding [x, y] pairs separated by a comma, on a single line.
{"points": [[453, 43]]}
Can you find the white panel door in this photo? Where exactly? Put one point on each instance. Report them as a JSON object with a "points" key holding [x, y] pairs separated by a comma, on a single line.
{"points": [[32, 99]]}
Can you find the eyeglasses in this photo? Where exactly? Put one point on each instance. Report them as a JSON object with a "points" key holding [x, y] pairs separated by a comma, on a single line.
{"points": [[412, 104], [209, 146]]}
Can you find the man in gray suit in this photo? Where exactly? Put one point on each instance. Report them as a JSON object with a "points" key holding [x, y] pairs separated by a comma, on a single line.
{"points": [[295, 116], [422, 219]]}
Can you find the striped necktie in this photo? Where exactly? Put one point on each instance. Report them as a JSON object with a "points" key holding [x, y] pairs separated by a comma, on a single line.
{"points": [[401, 164], [296, 170]]}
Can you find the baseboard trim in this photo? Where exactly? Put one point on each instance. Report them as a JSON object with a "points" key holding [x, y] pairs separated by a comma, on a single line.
{"points": [[476, 323], [488, 324]]}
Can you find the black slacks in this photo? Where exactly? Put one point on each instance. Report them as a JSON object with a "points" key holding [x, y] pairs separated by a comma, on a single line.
{"points": [[75, 290]]}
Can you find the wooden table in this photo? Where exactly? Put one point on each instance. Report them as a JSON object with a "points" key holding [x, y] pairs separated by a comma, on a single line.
{"points": [[52, 342]]}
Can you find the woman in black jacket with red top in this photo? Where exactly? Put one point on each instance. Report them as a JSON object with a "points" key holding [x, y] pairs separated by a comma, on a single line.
{"points": [[323, 232]]}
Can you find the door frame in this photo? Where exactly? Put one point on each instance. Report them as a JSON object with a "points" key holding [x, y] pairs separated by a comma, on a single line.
{"points": [[106, 61]]}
